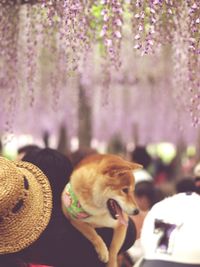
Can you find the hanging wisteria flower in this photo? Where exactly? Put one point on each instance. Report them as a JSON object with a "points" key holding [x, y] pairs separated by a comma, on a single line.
{"points": [[44, 48]]}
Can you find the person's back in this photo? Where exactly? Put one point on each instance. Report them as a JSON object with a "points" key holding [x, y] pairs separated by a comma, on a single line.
{"points": [[170, 234]]}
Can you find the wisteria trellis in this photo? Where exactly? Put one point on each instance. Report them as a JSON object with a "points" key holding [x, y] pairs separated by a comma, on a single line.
{"points": [[48, 49]]}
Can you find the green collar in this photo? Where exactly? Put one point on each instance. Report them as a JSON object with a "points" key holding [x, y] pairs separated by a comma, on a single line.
{"points": [[72, 204]]}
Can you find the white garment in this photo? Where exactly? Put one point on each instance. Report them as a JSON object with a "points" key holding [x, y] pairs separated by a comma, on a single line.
{"points": [[142, 175], [135, 252]]}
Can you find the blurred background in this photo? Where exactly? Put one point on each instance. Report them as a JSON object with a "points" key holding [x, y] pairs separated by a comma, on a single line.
{"points": [[105, 76]]}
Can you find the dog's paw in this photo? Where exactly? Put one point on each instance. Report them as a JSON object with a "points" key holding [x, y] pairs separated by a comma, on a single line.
{"points": [[102, 252]]}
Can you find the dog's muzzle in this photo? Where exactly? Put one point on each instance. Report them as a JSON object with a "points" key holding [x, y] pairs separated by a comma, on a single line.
{"points": [[114, 208]]}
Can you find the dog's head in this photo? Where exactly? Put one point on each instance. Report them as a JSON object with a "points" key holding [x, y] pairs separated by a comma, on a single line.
{"points": [[112, 183]]}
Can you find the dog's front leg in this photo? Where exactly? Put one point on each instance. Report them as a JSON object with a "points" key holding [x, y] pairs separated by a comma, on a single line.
{"points": [[117, 241], [90, 233]]}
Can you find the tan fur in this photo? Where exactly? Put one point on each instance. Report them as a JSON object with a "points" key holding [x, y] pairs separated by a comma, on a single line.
{"points": [[96, 179]]}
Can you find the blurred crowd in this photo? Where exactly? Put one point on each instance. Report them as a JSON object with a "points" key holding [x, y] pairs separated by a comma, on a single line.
{"points": [[155, 183]]}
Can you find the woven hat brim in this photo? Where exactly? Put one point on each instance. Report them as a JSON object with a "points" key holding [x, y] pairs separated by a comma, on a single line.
{"points": [[28, 225]]}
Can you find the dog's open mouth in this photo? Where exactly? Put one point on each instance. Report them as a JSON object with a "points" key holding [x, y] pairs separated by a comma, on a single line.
{"points": [[116, 211]]}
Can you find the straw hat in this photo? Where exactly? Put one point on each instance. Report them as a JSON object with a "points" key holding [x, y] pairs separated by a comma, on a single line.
{"points": [[25, 204]]}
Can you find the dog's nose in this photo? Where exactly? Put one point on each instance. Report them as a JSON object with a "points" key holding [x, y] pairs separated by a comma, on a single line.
{"points": [[136, 212]]}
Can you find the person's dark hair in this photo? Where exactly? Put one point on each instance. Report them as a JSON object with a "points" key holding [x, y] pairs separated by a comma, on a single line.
{"points": [[186, 184], [141, 156], [148, 189], [28, 149], [80, 154], [56, 166]]}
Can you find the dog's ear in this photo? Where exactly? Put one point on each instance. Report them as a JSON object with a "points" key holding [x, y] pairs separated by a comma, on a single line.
{"points": [[119, 168], [135, 166]]}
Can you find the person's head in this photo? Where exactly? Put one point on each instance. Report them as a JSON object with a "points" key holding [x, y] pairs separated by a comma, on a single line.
{"points": [[197, 178], [170, 233], [25, 207], [22, 151], [56, 166], [147, 195], [141, 156], [186, 184], [80, 154]]}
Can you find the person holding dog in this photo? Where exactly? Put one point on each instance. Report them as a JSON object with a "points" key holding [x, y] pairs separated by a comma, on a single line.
{"points": [[25, 210], [61, 244]]}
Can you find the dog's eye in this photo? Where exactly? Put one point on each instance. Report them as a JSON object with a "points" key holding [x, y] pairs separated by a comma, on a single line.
{"points": [[125, 190]]}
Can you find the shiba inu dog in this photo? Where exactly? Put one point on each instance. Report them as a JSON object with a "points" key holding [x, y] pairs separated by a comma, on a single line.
{"points": [[101, 194]]}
